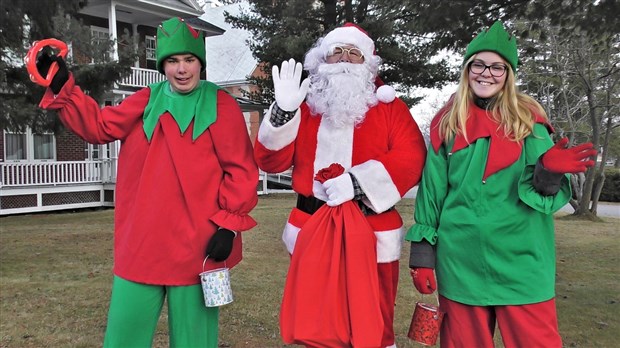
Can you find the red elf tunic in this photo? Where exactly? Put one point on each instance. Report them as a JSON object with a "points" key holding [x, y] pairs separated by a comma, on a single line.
{"points": [[173, 192]]}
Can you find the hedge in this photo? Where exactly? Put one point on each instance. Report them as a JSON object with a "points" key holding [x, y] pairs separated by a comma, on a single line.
{"points": [[611, 188]]}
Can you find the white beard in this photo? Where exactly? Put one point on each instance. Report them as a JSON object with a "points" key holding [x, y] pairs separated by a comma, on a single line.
{"points": [[342, 93]]}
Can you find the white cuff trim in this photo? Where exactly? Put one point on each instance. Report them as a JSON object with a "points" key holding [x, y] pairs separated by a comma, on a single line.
{"points": [[276, 138], [376, 182]]}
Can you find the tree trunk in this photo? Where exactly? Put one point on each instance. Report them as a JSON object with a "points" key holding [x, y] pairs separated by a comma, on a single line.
{"points": [[598, 189], [331, 16], [362, 9], [348, 11], [584, 203]]}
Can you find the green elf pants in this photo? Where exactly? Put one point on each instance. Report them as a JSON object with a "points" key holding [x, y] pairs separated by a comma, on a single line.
{"points": [[135, 309]]}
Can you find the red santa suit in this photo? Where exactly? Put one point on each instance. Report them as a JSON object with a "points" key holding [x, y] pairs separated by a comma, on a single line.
{"points": [[385, 154]]}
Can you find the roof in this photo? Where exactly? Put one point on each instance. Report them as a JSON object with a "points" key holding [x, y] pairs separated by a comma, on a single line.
{"points": [[205, 26], [152, 12], [229, 57]]}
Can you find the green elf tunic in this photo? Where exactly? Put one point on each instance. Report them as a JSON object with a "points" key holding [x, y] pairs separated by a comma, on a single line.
{"points": [[494, 234]]}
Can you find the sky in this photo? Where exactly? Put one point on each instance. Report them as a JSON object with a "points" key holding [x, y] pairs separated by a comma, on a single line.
{"points": [[434, 99]]}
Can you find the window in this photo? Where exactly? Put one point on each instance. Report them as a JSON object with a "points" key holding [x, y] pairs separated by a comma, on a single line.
{"points": [[96, 152], [15, 146], [101, 40], [29, 146], [151, 57], [43, 148]]}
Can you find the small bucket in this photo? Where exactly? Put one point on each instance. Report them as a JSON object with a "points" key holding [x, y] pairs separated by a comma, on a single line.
{"points": [[216, 286], [425, 324]]}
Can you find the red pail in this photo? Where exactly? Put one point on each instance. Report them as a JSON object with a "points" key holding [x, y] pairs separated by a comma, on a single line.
{"points": [[425, 324]]}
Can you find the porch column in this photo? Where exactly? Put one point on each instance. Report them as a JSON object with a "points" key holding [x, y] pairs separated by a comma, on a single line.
{"points": [[113, 31], [136, 43]]}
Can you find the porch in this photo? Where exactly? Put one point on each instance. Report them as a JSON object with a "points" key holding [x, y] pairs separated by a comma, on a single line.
{"points": [[29, 187], [45, 186], [141, 77]]}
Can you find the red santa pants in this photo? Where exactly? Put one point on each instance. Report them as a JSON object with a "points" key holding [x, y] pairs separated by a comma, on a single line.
{"points": [[531, 325], [388, 283]]}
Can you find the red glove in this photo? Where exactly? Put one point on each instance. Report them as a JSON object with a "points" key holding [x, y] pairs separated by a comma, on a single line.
{"points": [[424, 280], [560, 159]]}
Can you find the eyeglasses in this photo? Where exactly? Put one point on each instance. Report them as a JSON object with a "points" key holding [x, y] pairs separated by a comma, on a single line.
{"points": [[355, 54], [496, 70]]}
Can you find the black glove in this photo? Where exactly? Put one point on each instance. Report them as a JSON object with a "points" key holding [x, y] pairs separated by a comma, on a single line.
{"points": [[220, 245], [44, 61], [545, 182]]}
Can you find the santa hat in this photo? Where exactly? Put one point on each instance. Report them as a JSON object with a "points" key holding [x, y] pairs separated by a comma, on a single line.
{"points": [[174, 36], [352, 34]]}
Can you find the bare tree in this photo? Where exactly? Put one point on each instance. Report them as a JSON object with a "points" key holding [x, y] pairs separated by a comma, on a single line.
{"points": [[577, 78]]}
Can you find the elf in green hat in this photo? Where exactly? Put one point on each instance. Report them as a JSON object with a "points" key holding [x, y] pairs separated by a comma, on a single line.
{"points": [[484, 209], [186, 183]]}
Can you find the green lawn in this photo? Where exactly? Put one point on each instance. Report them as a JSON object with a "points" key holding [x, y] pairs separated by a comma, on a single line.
{"points": [[55, 278]]}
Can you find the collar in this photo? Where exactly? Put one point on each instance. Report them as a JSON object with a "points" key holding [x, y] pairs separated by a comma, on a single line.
{"points": [[503, 151], [199, 105]]}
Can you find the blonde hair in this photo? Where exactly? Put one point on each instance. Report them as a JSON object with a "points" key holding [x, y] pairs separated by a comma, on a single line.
{"points": [[514, 111]]}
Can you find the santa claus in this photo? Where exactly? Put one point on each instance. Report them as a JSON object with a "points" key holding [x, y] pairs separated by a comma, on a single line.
{"points": [[337, 115]]}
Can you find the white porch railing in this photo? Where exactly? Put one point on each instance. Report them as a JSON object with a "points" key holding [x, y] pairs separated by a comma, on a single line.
{"points": [[56, 173], [142, 77], [284, 179], [47, 186]]}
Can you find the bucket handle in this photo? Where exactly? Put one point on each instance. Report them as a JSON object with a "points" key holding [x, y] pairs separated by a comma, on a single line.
{"points": [[436, 296], [205, 262]]}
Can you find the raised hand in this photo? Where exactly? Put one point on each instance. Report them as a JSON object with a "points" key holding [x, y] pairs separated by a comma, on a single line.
{"points": [[44, 61], [561, 159], [288, 91]]}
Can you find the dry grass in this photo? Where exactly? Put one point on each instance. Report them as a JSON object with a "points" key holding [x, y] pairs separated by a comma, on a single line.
{"points": [[55, 278]]}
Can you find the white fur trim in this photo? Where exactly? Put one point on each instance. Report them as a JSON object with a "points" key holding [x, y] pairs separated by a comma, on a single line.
{"points": [[289, 236], [334, 145], [386, 94], [376, 182], [276, 138], [389, 243], [349, 35]]}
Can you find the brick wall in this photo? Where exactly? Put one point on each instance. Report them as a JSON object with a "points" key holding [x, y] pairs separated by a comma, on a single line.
{"points": [[69, 147]]}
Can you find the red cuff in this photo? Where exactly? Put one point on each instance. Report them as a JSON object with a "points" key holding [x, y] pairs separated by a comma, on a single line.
{"points": [[233, 221]]}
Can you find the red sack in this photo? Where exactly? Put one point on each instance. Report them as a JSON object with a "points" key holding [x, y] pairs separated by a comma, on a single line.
{"points": [[331, 296]]}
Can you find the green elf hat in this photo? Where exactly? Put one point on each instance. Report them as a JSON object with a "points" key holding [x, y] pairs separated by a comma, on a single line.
{"points": [[174, 36], [495, 39]]}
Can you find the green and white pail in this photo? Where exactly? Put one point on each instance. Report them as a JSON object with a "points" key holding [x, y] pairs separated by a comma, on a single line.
{"points": [[216, 286]]}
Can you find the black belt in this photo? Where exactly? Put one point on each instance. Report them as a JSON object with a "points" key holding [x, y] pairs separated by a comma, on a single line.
{"points": [[311, 204], [308, 205]]}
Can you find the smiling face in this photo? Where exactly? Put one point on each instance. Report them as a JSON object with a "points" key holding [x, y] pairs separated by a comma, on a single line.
{"points": [[484, 84], [183, 72], [345, 54]]}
